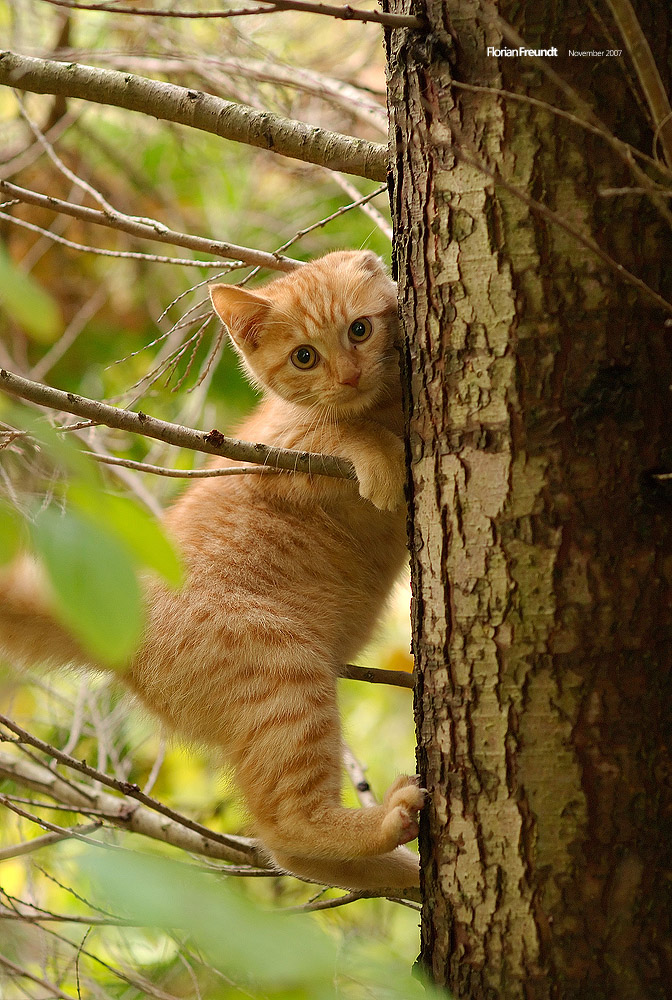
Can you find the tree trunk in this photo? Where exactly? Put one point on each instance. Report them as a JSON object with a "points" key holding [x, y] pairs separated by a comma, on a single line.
{"points": [[538, 405]]}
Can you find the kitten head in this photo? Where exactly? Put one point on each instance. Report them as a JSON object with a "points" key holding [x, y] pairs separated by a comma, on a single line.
{"points": [[322, 335]]}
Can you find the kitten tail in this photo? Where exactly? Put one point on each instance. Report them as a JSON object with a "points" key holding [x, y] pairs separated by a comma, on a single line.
{"points": [[29, 633], [398, 869]]}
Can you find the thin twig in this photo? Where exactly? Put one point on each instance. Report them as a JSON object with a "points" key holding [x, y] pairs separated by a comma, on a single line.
{"points": [[346, 13], [559, 220], [63, 806], [359, 202], [412, 895], [160, 470], [247, 860], [51, 988], [64, 918], [635, 42], [624, 191], [125, 787], [128, 815], [358, 778], [405, 902], [152, 229], [156, 766], [62, 831], [19, 161], [627, 153], [58, 162], [376, 217], [87, 311], [101, 252], [326, 904]]}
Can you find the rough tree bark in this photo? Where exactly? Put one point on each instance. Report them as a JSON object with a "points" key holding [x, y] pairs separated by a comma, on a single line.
{"points": [[538, 404]]}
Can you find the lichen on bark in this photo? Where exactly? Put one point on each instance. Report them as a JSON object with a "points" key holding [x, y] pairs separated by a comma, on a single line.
{"points": [[536, 406]]}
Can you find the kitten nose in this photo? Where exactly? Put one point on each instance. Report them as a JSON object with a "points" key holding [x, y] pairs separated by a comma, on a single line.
{"points": [[349, 374]]}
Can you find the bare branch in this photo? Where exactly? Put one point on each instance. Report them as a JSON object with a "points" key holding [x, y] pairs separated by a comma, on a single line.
{"points": [[18, 160], [358, 778], [37, 843], [376, 217], [346, 13], [626, 152], [86, 311], [350, 897], [360, 201], [27, 917], [126, 814], [625, 191], [58, 162], [327, 904], [51, 988], [355, 101], [125, 787], [398, 678], [647, 71], [102, 252], [198, 110], [212, 443], [151, 229]]}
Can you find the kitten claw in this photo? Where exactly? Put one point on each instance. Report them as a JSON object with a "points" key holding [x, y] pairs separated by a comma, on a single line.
{"points": [[404, 801]]}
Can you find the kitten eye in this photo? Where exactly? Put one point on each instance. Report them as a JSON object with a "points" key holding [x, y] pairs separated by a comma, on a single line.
{"points": [[304, 357], [360, 330]]}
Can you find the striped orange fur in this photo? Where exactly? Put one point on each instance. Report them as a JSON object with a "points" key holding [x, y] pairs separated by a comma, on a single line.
{"points": [[287, 574]]}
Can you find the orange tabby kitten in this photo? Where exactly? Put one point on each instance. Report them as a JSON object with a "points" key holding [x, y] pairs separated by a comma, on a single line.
{"points": [[287, 574]]}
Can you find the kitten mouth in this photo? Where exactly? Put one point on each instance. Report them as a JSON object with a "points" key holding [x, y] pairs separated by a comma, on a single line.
{"points": [[355, 400]]}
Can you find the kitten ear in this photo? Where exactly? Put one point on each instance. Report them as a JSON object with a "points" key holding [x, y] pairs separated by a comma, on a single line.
{"points": [[242, 311], [370, 261]]}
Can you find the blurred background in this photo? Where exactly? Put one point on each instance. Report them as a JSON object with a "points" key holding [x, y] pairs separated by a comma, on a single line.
{"points": [[91, 310]]}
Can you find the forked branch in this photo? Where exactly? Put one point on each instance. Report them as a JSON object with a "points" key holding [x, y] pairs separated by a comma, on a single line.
{"points": [[150, 229]]}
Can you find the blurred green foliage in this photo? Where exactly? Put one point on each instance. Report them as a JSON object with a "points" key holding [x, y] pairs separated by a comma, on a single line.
{"points": [[118, 328]]}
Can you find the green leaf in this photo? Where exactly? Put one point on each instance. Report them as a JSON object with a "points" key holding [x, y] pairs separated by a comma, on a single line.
{"points": [[11, 528], [136, 527], [93, 577], [274, 951], [27, 303]]}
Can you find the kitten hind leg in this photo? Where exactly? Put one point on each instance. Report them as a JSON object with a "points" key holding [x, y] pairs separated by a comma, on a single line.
{"points": [[289, 767], [330, 829]]}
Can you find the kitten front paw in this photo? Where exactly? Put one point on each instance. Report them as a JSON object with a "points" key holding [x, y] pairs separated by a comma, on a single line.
{"points": [[382, 481], [404, 801]]}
